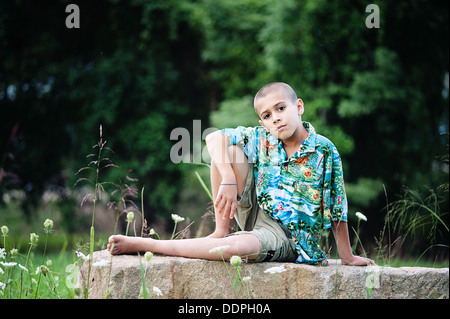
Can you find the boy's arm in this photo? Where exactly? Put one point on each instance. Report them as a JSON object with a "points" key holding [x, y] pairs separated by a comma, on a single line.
{"points": [[226, 199], [340, 232]]}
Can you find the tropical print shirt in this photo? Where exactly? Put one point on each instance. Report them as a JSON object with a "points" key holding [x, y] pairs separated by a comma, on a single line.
{"points": [[305, 192]]}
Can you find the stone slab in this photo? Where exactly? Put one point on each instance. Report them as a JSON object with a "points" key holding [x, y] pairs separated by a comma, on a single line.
{"points": [[185, 278]]}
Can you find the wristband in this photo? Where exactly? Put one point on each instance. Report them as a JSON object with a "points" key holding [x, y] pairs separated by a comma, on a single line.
{"points": [[228, 184]]}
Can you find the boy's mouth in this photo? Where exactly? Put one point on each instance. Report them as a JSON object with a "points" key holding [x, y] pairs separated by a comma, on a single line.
{"points": [[279, 128]]}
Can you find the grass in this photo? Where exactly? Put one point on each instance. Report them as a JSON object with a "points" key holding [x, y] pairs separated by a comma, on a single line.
{"points": [[37, 272], [414, 262], [36, 275]]}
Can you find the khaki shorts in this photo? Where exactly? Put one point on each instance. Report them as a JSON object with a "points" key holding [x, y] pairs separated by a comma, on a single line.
{"points": [[273, 236]]}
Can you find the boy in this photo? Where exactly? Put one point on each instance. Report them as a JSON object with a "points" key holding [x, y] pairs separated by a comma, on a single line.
{"points": [[283, 184]]}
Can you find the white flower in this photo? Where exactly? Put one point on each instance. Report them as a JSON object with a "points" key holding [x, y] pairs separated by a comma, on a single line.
{"points": [[101, 263], [5, 230], [275, 270], [157, 291], [148, 256], [361, 216], [14, 252], [130, 217], [177, 218], [2, 253], [2, 286], [42, 269], [235, 261], [48, 225], [1, 271], [34, 239], [11, 264], [246, 278], [80, 255], [22, 267], [152, 231], [219, 249]]}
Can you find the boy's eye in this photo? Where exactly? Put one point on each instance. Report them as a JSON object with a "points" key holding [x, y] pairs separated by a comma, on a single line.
{"points": [[281, 108], [266, 116]]}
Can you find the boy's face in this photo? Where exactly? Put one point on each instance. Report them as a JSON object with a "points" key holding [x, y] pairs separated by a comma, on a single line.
{"points": [[278, 114]]}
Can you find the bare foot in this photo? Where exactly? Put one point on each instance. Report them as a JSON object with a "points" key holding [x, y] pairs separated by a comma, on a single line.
{"points": [[126, 245], [358, 261]]}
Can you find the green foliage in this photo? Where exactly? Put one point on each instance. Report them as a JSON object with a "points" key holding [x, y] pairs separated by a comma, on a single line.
{"points": [[363, 193], [136, 83], [376, 90], [235, 112], [422, 217], [230, 48]]}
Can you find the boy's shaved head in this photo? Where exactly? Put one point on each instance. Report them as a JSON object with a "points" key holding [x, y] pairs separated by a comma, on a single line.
{"points": [[284, 88]]}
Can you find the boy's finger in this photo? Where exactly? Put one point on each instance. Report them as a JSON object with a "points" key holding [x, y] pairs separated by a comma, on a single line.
{"points": [[233, 209], [226, 210], [218, 205]]}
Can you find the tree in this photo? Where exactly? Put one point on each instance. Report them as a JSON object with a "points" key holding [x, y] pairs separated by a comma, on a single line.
{"points": [[132, 67]]}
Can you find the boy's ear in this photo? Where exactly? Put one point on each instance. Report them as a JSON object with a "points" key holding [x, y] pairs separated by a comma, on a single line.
{"points": [[300, 107]]}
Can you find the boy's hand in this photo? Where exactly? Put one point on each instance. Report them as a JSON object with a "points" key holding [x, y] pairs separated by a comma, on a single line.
{"points": [[226, 201], [358, 261], [340, 231]]}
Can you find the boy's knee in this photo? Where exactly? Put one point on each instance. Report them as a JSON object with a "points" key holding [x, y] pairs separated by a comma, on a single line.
{"points": [[244, 245]]}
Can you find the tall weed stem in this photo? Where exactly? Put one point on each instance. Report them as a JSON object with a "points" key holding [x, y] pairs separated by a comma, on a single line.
{"points": [[98, 187], [43, 259]]}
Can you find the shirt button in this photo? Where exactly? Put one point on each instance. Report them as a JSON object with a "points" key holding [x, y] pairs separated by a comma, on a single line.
{"points": [[280, 186]]}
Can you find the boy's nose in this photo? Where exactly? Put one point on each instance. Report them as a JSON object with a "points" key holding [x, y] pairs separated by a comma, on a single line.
{"points": [[276, 119]]}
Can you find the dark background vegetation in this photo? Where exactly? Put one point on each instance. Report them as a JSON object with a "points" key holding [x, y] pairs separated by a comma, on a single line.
{"points": [[142, 68]]}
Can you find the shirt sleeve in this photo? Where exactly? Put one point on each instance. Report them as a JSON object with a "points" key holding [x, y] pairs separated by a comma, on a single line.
{"points": [[246, 137], [334, 196], [338, 195]]}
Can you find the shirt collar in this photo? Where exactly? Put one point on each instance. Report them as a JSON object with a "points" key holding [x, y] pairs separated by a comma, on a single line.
{"points": [[309, 144]]}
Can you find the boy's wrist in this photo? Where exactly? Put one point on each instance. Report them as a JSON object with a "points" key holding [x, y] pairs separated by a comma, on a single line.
{"points": [[228, 182], [229, 178]]}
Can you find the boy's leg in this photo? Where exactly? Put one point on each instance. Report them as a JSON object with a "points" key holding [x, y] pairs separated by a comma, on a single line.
{"points": [[239, 165], [246, 245]]}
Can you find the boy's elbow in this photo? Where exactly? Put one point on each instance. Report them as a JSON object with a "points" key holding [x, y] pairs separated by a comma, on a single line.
{"points": [[215, 141], [213, 137], [210, 137]]}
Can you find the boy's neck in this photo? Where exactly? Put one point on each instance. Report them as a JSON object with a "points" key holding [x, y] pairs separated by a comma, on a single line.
{"points": [[292, 144]]}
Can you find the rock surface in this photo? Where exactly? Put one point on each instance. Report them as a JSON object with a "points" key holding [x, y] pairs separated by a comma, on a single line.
{"points": [[176, 277]]}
